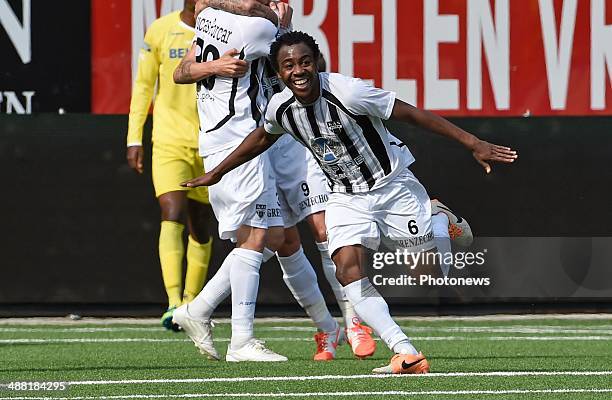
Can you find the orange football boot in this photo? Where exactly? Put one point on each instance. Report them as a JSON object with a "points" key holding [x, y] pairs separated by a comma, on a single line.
{"points": [[327, 342], [405, 364], [360, 339]]}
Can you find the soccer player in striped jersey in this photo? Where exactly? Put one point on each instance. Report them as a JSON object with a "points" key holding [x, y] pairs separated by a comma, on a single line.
{"points": [[374, 194]]}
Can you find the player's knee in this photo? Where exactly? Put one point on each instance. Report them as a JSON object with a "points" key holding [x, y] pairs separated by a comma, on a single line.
{"points": [[347, 274], [320, 234], [275, 238], [172, 206], [200, 224], [171, 212], [317, 227]]}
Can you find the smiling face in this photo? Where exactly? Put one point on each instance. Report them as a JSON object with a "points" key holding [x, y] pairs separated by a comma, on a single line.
{"points": [[298, 70]]}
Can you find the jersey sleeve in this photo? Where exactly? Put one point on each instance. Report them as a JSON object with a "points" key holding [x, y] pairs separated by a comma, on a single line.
{"points": [[258, 34], [271, 125], [364, 99], [144, 85]]}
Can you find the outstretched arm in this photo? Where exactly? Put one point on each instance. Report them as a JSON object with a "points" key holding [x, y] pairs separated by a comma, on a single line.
{"points": [[253, 145], [250, 8], [190, 71], [481, 150]]}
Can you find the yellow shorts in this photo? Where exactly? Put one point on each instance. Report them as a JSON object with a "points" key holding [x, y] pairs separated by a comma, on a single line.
{"points": [[174, 164]]}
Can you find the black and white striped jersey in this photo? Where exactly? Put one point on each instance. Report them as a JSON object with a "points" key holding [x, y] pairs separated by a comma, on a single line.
{"points": [[344, 131], [230, 109]]}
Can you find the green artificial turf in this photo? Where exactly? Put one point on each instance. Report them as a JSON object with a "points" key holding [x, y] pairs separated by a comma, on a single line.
{"points": [[94, 351]]}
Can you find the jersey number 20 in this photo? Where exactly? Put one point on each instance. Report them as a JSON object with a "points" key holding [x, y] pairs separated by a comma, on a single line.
{"points": [[202, 56]]}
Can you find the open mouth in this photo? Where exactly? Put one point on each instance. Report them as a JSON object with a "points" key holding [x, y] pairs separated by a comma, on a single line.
{"points": [[301, 83]]}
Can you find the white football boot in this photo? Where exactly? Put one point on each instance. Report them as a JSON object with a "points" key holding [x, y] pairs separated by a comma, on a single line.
{"points": [[253, 350], [458, 228], [198, 330]]}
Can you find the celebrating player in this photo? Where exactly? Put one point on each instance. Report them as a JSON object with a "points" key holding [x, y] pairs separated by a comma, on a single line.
{"points": [[229, 110], [374, 194], [175, 152]]}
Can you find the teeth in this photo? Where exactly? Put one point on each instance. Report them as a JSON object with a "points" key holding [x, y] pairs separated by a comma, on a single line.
{"points": [[301, 82]]}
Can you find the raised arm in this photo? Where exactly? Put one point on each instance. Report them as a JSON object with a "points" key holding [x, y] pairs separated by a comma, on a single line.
{"points": [[249, 8], [481, 150], [253, 145], [190, 71]]}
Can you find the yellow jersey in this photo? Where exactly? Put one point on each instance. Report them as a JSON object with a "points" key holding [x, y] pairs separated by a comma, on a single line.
{"points": [[175, 115]]}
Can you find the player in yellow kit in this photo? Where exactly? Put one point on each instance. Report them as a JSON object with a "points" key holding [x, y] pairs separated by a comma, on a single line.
{"points": [[175, 151]]}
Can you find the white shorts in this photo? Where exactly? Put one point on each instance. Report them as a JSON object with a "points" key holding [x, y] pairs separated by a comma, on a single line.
{"points": [[398, 213], [301, 184], [245, 196]]}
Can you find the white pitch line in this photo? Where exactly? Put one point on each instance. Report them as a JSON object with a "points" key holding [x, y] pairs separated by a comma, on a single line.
{"points": [[155, 321], [324, 394], [339, 377], [303, 339], [570, 329], [467, 329], [559, 329]]}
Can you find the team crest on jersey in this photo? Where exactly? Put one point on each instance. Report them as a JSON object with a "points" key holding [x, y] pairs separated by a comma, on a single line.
{"points": [[327, 150], [260, 210], [334, 125]]}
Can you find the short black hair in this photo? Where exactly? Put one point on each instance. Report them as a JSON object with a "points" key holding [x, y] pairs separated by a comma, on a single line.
{"points": [[290, 39]]}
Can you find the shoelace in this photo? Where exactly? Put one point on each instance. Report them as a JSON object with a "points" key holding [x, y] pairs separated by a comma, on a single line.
{"points": [[361, 331], [260, 345], [321, 339], [454, 231]]}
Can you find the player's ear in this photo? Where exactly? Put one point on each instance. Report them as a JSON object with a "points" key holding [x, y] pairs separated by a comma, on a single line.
{"points": [[321, 63]]}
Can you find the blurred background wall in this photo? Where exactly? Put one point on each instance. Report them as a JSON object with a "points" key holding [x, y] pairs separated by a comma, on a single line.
{"points": [[79, 229]]}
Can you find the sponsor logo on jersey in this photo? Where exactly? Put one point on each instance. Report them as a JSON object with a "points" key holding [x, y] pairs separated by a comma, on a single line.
{"points": [[213, 30], [260, 210], [416, 241], [274, 212], [311, 201], [177, 53], [334, 125], [327, 150]]}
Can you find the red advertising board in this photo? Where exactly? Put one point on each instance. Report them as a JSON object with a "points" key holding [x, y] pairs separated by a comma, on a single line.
{"points": [[458, 57]]}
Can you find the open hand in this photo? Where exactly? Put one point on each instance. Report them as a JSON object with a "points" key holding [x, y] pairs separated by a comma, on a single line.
{"points": [[207, 179], [229, 66], [485, 151]]}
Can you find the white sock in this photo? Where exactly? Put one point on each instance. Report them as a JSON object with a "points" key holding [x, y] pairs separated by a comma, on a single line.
{"points": [[375, 312], [439, 224], [244, 279], [329, 269], [267, 254], [216, 290], [301, 279]]}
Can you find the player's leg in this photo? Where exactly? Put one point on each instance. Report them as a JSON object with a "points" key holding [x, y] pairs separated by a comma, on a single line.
{"points": [[168, 166], [199, 221], [359, 336], [301, 279], [448, 226], [172, 250], [199, 247], [372, 307], [242, 216], [354, 221]]}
